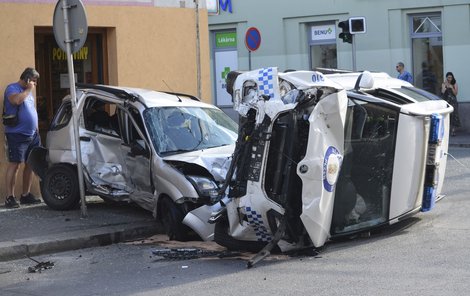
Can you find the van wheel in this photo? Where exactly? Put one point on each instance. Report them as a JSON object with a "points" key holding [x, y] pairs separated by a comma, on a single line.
{"points": [[60, 188], [171, 217], [222, 238]]}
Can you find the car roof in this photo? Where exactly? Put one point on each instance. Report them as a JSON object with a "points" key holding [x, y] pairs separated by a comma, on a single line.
{"points": [[381, 80], [153, 98], [149, 98]]}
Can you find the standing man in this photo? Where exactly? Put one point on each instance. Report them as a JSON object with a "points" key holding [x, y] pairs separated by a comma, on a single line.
{"points": [[21, 137], [402, 74]]}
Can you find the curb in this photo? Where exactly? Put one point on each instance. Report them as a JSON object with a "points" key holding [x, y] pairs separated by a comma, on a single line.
{"points": [[22, 248]]}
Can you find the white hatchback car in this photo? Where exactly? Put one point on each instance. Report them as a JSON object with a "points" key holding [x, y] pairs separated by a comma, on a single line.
{"points": [[167, 152], [323, 156]]}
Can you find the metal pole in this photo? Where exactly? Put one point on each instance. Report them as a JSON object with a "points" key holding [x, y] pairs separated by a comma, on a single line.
{"points": [[75, 116], [354, 52], [198, 51], [249, 60]]}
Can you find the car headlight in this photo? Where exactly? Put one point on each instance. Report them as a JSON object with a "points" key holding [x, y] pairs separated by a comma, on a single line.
{"points": [[204, 186]]}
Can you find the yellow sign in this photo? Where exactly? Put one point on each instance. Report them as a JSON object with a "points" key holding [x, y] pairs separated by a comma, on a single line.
{"points": [[60, 55]]}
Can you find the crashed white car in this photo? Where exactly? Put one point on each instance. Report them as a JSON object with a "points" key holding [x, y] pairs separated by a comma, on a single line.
{"points": [[167, 152], [323, 156]]}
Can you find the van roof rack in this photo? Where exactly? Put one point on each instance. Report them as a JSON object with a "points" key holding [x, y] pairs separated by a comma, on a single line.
{"points": [[182, 94]]}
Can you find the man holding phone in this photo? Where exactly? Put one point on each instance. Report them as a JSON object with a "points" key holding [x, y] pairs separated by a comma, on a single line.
{"points": [[21, 137]]}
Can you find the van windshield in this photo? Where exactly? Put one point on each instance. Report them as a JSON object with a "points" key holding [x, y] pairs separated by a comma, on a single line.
{"points": [[176, 130]]}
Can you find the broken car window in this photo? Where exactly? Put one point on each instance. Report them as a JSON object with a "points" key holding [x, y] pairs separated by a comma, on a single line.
{"points": [[181, 129], [63, 116], [98, 118]]}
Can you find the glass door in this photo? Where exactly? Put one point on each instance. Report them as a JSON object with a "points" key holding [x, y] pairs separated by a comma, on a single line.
{"points": [[427, 51], [322, 43]]}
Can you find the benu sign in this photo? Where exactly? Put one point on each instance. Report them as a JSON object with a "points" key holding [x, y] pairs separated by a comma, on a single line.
{"points": [[323, 32]]}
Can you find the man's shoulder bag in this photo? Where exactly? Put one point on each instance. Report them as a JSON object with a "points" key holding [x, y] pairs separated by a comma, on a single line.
{"points": [[10, 119]]}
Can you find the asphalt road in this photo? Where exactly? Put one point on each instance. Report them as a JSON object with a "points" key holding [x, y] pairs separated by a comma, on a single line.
{"points": [[427, 255]]}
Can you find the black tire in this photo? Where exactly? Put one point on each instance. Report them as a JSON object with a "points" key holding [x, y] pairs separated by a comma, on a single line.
{"points": [[222, 238], [60, 189], [171, 217]]}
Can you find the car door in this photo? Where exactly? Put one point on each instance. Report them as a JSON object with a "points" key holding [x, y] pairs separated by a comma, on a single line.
{"points": [[321, 165], [101, 147], [137, 155]]}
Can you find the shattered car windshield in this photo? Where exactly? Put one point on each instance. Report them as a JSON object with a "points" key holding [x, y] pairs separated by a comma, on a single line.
{"points": [[182, 129]]}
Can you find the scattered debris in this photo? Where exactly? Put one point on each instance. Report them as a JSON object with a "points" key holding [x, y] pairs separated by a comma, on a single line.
{"points": [[176, 250], [191, 253], [40, 266], [3, 271], [307, 252]]}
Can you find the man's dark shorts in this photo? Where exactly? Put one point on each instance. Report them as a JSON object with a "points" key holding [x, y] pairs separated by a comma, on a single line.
{"points": [[19, 146]]}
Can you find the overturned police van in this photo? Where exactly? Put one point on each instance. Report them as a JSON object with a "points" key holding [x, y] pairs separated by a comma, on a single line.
{"points": [[323, 156]]}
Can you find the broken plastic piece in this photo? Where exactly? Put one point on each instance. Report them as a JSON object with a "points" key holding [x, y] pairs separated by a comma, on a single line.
{"points": [[40, 266]]}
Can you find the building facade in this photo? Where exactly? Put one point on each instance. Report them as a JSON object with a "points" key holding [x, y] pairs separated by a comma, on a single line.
{"points": [[156, 44], [430, 37]]}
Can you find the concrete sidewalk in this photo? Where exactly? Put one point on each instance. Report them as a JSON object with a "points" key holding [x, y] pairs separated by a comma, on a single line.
{"points": [[37, 229]]}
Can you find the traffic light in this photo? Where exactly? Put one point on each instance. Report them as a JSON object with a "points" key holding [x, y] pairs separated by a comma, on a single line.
{"points": [[345, 34], [357, 25]]}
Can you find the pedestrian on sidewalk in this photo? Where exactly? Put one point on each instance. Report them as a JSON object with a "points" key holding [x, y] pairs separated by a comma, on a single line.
{"points": [[449, 91], [21, 135], [403, 74]]}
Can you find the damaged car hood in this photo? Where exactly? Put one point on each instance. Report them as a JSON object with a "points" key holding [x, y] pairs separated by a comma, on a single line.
{"points": [[216, 160]]}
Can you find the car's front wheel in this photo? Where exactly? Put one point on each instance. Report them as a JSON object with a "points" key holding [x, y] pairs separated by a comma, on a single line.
{"points": [[171, 216], [60, 188]]}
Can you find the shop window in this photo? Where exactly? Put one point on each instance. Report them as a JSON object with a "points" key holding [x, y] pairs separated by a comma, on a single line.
{"points": [[322, 43], [426, 35], [323, 56]]}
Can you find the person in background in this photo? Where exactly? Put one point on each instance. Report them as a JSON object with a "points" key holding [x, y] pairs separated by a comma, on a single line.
{"points": [[403, 74], [22, 137], [449, 91]]}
